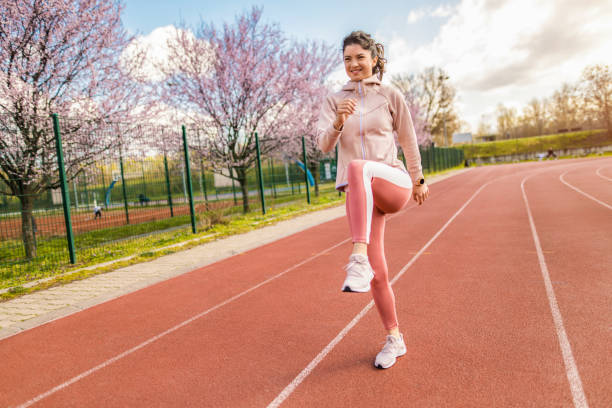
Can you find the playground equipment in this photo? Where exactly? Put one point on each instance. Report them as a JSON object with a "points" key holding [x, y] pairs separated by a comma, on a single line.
{"points": [[108, 191], [308, 174]]}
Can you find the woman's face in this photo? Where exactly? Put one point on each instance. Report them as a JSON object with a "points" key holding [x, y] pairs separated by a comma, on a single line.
{"points": [[358, 62]]}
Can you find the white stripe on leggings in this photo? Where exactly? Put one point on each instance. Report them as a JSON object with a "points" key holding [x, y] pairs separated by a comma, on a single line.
{"points": [[380, 170]]}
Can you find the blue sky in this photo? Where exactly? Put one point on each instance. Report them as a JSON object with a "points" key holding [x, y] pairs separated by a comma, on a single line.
{"points": [[316, 19], [495, 51]]}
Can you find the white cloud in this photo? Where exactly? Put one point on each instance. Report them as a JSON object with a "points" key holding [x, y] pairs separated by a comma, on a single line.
{"points": [[415, 15], [155, 44], [443, 10], [510, 51]]}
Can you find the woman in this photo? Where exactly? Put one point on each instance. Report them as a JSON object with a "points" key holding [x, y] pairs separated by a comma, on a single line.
{"points": [[363, 118]]}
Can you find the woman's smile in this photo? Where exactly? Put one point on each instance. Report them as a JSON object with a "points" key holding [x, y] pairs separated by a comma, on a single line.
{"points": [[358, 62]]}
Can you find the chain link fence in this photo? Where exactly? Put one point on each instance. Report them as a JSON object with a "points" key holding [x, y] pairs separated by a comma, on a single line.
{"points": [[125, 189]]}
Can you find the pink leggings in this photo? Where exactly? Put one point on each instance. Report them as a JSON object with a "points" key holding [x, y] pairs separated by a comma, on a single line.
{"points": [[376, 189]]}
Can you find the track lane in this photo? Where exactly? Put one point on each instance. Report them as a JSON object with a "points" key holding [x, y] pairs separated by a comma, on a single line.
{"points": [[278, 298], [479, 331], [102, 332], [575, 235], [584, 180], [602, 170], [168, 361]]}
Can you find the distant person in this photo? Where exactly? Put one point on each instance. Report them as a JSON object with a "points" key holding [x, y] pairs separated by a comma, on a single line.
{"points": [[376, 182], [551, 154], [97, 212], [143, 199]]}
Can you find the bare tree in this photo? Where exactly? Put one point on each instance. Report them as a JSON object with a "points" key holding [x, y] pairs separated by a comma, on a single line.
{"points": [[566, 108], [597, 92], [436, 99], [507, 122], [408, 86]]}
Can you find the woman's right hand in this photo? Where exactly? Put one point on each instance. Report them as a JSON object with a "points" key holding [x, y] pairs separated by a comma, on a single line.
{"points": [[346, 107]]}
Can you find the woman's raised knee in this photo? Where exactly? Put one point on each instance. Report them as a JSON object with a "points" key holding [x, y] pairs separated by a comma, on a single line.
{"points": [[356, 166]]}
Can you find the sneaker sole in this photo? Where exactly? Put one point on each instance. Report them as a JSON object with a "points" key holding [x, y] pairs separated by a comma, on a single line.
{"points": [[381, 367], [355, 290]]}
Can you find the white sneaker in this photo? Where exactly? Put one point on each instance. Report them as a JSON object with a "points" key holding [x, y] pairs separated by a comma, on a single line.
{"points": [[394, 347], [359, 273]]}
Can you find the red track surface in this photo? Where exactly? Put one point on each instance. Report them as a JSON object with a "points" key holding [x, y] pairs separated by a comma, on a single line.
{"points": [[473, 309]]}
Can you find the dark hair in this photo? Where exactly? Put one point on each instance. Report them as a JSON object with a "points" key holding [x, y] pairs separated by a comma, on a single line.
{"points": [[367, 43]]}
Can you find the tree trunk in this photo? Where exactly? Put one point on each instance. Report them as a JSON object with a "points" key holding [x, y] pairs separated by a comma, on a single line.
{"points": [[27, 225], [242, 179]]}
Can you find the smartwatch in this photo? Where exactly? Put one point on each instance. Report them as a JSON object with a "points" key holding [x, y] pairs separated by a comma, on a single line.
{"points": [[420, 182]]}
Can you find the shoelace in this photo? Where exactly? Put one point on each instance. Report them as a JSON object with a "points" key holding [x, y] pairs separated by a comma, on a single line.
{"points": [[390, 346], [352, 262]]}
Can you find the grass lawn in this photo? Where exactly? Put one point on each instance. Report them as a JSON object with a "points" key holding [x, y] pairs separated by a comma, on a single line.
{"points": [[538, 144]]}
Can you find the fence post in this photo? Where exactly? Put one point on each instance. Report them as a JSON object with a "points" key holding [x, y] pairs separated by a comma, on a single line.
{"points": [[64, 187], [123, 187], [305, 170], [188, 175], [260, 175], [168, 185]]}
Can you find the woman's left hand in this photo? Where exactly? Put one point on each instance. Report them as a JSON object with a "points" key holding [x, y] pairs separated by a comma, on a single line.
{"points": [[420, 193]]}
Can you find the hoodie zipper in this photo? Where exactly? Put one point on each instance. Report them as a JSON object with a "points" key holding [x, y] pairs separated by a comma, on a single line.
{"points": [[361, 132]]}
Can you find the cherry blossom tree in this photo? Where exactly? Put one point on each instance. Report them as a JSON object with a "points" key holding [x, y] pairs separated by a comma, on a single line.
{"points": [[65, 57], [239, 80], [302, 121]]}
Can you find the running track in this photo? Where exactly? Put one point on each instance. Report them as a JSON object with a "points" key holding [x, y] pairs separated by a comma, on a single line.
{"points": [[504, 291]]}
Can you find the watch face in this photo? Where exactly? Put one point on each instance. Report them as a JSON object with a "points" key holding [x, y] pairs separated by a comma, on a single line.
{"points": [[422, 181]]}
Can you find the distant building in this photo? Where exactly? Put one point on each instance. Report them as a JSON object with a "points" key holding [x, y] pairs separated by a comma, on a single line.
{"points": [[462, 138]]}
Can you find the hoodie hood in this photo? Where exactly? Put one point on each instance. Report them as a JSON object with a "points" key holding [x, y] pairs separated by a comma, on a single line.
{"points": [[354, 85]]}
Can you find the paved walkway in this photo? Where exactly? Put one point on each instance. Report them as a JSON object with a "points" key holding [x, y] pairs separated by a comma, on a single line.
{"points": [[47, 305]]}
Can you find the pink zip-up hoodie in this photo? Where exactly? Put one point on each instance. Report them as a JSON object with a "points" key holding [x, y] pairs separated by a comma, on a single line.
{"points": [[368, 133]]}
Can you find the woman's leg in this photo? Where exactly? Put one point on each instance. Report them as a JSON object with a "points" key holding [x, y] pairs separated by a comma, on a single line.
{"points": [[373, 184], [376, 189], [381, 288]]}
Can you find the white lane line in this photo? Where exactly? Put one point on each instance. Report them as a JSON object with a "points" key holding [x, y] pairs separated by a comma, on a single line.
{"points": [[173, 329], [601, 175], [566, 350], [184, 323], [609, 207], [157, 337], [288, 390]]}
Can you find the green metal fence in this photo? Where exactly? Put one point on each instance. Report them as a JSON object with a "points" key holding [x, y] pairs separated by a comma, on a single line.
{"points": [[141, 193]]}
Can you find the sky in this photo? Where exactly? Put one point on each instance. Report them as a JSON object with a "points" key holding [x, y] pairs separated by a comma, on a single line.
{"points": [[496, 51]]}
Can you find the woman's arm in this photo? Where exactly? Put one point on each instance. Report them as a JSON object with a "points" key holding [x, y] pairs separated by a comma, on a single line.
{"points": [[327, 135], [331, 122], [402, 124]]}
